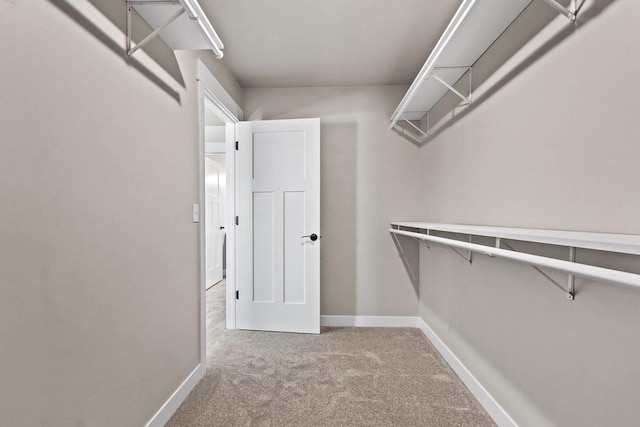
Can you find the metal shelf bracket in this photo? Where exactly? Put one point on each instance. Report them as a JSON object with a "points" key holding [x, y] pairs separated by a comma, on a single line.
{"points": [[571, 16], [572, 257], [131, 50], [403, 256], [466, 99], [571, 294], [425, 135], [422, 135], [468, 258], [423, 242]]}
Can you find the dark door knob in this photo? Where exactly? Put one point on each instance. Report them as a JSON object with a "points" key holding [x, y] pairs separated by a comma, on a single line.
{"points": [[313, 237]]}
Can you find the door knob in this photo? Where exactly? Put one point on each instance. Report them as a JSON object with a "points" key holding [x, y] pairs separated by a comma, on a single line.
{"points": [[313, 237], [221, 228]]}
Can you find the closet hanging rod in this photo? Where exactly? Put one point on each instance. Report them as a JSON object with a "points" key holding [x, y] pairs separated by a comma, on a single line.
{"points": [[600, 274], [201, 19]]}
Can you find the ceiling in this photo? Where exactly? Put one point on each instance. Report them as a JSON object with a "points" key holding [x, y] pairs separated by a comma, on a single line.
{"points": [[293, 43]]}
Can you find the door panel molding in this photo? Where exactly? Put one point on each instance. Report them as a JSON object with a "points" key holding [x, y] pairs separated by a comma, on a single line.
{"points": [[282, 158]]}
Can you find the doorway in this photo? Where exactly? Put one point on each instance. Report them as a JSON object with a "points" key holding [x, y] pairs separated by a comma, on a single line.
{"points": [[216, 199], [286, 154]]}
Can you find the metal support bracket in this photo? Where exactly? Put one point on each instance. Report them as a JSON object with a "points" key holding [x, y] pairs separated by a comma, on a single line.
{"points": [[423, 133], [428, 124], [469, 257], [423, 136], [466, 99], [131, 50], [571, 16], [498, 242], [405, 261], [570, 292], [426, 243]]}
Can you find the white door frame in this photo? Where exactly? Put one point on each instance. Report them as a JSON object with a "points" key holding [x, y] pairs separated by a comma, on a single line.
{"points": [[212, 95]]}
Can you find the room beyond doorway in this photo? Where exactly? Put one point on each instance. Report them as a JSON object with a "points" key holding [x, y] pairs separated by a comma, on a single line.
{"points": [[214, 218], [215, 193]]}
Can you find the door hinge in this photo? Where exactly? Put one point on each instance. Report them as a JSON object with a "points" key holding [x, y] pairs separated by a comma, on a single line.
{"points": [[237, 145], [237, 294], [237, 220]]}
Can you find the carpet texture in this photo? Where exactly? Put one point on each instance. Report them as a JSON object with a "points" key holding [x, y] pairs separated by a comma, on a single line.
{"points": [[342, 377]]}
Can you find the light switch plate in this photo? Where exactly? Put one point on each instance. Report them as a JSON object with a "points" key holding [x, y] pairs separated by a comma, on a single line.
{"points": [[196, 212]]}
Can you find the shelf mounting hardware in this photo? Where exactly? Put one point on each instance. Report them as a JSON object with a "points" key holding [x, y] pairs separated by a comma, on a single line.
{"points": [[569, 292], [466, 99], [424, 134], [194, 13], [468, 258], [571, 16], [154, 33], [405, 260], [428, 124]]}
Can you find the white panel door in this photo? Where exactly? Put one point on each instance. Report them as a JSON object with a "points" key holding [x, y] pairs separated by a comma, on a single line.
{"points": [[278, 252], [212, 224]]}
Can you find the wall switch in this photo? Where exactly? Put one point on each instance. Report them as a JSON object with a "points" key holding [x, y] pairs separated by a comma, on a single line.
{"points": [[196, 212]]}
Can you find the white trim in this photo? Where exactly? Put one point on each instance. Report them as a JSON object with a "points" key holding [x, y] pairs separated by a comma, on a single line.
{"points": [[202, 262], [370, 321], [230, 220], [167, 410], [212, 95], [499, 415], [219, 96]]}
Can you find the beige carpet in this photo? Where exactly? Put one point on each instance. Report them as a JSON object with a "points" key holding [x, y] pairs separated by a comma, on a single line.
{"points": [[342, 377]]}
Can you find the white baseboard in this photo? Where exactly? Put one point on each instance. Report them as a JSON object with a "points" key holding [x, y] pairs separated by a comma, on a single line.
{"points": [[173, 403], [370, 321], [499, 415]]}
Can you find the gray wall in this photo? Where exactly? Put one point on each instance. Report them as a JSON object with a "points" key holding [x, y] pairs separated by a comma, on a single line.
{"points": [[368, 177], [99, 312], [552, 142]]}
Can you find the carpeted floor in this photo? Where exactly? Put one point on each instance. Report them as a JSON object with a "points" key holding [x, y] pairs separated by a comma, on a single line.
{"points": [[342, 377]]}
